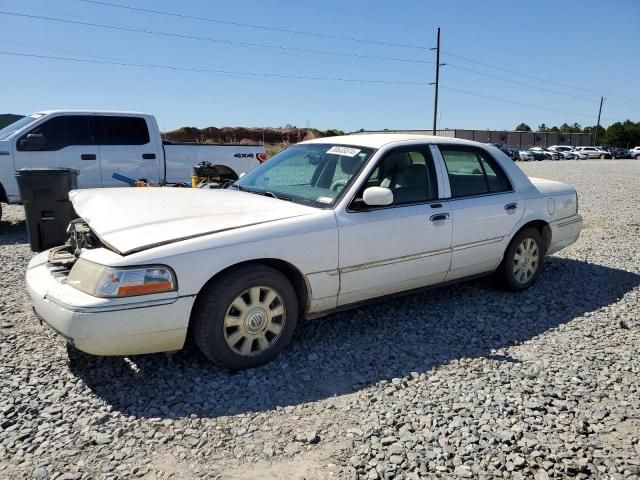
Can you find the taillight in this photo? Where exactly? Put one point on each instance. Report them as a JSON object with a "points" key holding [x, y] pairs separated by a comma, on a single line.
{"points": [[262, 157]]}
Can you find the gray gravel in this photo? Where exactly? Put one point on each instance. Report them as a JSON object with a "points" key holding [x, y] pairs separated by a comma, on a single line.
{"points": [[461, 382]]}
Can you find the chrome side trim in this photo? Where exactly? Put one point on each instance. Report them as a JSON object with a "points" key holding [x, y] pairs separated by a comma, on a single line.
{"points": [[477, 244], [111, 308], [406, 258], [571, 221], [391, 261], [331, 273]]}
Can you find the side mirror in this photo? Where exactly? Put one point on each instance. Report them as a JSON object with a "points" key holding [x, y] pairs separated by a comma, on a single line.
{"points": [[377, 197], [34, 141]]}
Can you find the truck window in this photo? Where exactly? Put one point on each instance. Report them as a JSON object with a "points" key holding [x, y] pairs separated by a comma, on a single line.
{"points": [[124, 131], [61, 132]]}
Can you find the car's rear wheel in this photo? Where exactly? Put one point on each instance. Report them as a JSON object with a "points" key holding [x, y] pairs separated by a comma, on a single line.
{"points": [[523, 260], [246, 317]]}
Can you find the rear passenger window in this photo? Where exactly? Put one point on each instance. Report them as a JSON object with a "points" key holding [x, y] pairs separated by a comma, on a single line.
{"points": [[124, 131], [473, 172]]}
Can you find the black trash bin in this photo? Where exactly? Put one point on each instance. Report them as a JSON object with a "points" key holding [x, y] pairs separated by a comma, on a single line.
{"points": [[45, 195]]}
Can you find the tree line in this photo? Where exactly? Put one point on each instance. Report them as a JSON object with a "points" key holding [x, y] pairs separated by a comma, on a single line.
{"points": [[619, 134]]}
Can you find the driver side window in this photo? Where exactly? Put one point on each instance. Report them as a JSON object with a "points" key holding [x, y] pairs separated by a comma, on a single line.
{"points": [[61, 132], [409, 173]]}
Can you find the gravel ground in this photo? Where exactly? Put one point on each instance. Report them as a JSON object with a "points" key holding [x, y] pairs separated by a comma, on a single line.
{"points": [[465, 381]]}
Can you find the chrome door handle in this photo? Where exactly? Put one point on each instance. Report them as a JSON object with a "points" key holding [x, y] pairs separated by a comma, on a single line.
{"points": [[88, 156], [439, 216], [511, 206]]}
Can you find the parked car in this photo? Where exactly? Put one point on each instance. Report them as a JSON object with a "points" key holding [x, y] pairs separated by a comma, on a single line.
{"points": [[548, 154], [594, 152], [526, 155], [509, 151], [569, 149], [617, 152], [564, 153], [325, 225], [100, 143], [635, 153], [532, 154]]}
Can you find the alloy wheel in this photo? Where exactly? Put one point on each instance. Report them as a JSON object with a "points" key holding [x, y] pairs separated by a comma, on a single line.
{"points": [[526, 260], [254, 321]]}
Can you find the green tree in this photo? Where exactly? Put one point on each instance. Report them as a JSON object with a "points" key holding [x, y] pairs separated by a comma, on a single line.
{"points": [[600, 137], [542, 128], [565, 128], [334, 132], [523, 127], [623, 134]]}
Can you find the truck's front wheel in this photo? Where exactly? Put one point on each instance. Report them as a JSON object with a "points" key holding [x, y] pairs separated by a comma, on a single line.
{"points": [[246, 317]]}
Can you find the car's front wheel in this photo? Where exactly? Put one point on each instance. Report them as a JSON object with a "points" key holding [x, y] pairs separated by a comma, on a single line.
{"points": [[246, 317], [522, 261], [602, 157]]}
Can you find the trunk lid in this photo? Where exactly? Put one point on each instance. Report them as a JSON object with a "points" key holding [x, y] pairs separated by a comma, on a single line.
{"points": [[551, 187]]}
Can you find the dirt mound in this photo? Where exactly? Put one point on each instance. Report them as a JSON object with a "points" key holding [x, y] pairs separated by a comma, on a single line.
{"points": [[247, 135]]}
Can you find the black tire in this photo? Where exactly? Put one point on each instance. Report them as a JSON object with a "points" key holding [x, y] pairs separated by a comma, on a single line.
{"points": [[637, 157], [602, 157], [215, 303], [505, 272]]}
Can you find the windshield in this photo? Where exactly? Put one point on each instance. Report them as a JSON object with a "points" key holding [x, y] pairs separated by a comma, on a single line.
{"points": [[10, 129], [313, 174]]}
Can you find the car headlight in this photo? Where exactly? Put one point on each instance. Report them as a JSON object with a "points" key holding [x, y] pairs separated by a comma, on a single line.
{"points": [[101, 281]]}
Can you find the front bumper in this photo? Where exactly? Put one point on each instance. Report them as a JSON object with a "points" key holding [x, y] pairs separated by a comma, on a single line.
{"points": [[127, 326]]}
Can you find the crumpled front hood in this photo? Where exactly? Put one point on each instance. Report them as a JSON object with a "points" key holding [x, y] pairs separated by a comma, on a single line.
{"points": [[133, 219]]}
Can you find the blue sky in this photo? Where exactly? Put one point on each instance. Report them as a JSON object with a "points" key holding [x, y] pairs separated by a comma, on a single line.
{"points": [[588, 48]]}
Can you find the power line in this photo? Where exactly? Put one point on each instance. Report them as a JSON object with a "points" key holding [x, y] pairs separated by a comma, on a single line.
{"points": [[484, 64], [217, 71], [209, 39], [249, 25], [515, 82], [514, 102]]}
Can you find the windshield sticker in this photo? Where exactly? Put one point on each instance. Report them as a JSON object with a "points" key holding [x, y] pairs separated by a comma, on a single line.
{"points": [[344, 151], [324, 199]]}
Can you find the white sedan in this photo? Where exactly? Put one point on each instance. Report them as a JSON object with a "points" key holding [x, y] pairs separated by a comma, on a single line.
{"points": [[325, 225]]}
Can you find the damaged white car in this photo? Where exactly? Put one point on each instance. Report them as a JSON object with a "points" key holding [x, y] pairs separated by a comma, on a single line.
{"points": [[324, 225]]}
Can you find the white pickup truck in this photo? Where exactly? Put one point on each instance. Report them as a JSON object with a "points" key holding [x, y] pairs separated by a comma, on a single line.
{"points": [[100, 143]]}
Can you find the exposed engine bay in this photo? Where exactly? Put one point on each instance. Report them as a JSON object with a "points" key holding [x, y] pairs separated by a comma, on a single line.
{"points": [[80, 238]]}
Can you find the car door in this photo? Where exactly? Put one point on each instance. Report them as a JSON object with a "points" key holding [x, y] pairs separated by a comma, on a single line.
{"points": [[127, 148], [406, 245], [67, 142], [484, 209]]}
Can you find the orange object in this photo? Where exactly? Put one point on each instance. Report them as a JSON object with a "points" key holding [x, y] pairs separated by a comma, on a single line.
{"points": [[146, 288]]}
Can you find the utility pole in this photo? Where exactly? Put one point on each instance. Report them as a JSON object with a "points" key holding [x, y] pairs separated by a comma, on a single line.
{"points": [[435, 102], [595, 136]]}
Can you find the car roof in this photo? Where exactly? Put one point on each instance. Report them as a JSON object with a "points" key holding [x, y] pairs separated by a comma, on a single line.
{"points": [[379, 140], [88, 112]]}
